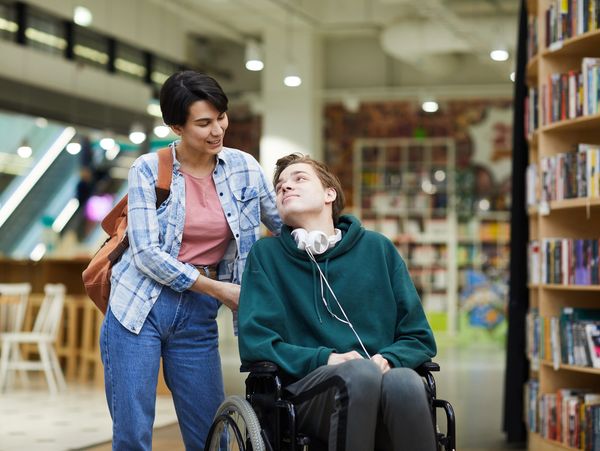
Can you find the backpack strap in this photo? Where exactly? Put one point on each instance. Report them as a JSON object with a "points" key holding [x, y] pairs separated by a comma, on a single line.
{"points": [[165, 174]]}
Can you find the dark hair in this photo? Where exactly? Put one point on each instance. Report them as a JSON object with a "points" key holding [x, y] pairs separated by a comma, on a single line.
{"points": [[327, 178], [184, 88]]}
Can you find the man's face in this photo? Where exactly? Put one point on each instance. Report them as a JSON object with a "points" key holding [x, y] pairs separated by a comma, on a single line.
{"points": [[301, 195]]}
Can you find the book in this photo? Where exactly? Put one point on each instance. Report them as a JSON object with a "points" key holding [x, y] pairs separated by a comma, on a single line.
{"points": [[592, 332]]}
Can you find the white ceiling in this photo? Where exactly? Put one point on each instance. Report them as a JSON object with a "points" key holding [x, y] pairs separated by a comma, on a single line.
{"points": [[415, 42], [251, 17]]}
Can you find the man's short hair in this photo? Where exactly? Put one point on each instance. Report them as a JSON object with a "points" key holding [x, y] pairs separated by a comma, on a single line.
{"points": [[327, 178], [184, 88]]}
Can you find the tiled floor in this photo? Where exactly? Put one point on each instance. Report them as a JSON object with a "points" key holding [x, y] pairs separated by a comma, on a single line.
{"points": [[33, 420], [471, 378]]}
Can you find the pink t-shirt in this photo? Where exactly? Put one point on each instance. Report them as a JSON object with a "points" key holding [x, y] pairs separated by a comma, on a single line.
{"points": [[206, 232]]}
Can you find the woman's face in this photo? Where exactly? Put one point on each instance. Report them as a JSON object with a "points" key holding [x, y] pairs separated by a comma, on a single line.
{"points": [[204, 129]]}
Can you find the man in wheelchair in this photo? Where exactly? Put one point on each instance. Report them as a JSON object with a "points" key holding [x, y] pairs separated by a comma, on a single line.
{"points": [[334, 307]]}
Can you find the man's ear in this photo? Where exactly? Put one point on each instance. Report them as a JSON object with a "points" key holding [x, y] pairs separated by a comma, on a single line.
{"points": [[330, 195], [176, 129]]}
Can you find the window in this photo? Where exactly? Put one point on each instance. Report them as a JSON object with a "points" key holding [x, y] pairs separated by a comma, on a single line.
{"points": [[90, 47], [130, 61], [8, 22], [45, 33], [162, 70]]}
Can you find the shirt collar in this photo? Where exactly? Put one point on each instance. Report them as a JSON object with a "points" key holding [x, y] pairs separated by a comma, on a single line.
{"points": [[177, 164]]}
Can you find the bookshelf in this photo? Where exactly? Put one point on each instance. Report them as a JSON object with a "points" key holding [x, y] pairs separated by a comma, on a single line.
{"points": [[405, 189], [565, 35]]}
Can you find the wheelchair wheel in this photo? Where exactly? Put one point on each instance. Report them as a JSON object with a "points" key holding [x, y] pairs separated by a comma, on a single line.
{"points": [[235, 427]]}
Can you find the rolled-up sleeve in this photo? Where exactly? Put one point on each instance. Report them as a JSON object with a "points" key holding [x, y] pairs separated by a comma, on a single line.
{"points": [[143, 232]]}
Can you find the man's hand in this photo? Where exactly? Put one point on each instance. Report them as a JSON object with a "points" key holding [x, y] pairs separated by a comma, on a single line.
{"points": [[336, 359], [381, 362]]}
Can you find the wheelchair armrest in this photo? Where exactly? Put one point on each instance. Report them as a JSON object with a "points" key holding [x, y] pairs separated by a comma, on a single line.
{"points": [[427, 367], [263, 367]]}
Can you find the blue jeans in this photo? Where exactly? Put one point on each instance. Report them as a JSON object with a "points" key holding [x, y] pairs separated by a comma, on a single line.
{"points": [[181, 327]]}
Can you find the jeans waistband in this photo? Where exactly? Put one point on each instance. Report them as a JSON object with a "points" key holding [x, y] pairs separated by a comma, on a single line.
{"points": [[209, 271]]}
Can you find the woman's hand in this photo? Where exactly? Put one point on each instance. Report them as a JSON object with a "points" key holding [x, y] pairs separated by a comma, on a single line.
{"points": [[336, 359], [225, 292], [381, 362], [229, 295]]}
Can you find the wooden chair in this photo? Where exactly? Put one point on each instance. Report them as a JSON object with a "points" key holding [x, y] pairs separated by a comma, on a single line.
{"points": [[44, 333], [14, 298]]}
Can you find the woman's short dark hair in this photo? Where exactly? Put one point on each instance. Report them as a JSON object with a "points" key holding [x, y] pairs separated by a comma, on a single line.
{"points": [[328, 179], [184, 88]]}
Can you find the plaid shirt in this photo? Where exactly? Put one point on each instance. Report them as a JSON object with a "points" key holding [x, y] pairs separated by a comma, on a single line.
{"points": [[155, 235]]}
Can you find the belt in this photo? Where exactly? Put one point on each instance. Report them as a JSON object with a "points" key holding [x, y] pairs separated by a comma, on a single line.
{"points": [[209, 271]]}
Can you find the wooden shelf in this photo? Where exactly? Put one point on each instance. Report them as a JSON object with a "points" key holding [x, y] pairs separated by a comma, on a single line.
{"points": [[532, 141], [557, 287], [569, 218], [587, 44], [581, 202], [536, 442], [579, 124], [531, 71], [575, 368]]}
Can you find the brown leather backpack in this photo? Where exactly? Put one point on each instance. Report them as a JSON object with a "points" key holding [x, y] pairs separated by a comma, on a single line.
{"points": [[96, 277]]}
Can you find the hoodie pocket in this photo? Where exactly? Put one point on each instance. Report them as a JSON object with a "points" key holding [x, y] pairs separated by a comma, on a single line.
{"points": [[248, 204]]}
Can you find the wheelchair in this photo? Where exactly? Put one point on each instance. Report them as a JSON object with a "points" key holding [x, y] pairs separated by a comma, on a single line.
{"points": [[266, 421]]}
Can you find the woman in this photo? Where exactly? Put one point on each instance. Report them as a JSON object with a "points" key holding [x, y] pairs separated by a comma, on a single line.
{"points": [[185, 259]]}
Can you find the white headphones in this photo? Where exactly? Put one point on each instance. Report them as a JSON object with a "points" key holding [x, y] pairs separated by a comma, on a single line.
{"points": [[317, 241]]}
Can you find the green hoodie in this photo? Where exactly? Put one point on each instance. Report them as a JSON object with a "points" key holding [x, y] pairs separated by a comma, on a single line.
{"points": [[282, 317]]}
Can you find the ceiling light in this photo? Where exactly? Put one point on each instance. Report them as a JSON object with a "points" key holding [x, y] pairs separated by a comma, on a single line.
{"points": [[137, 135], [107, 143], [24, 151], [153, 109], [292, 78], [74, 148], [430, 106], [161, 130], [112, 153], [499, 55], [15, 199], [38, 252], [41, 122], [484, 205], [254, 60], [65, 215], [512, 76], [82, 16]]}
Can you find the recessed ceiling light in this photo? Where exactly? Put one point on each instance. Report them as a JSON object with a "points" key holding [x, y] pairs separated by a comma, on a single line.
{"points": [[82, 16], [499, 55]]}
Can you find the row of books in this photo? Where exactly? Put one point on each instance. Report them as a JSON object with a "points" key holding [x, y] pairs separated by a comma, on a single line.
{"points": [[570, 416], [564, 261], [532, 35], [568, 18], [566, 175], [572, 338], [571, 94], [531, 114]]}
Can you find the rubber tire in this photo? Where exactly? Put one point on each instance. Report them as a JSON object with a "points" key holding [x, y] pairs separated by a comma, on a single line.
{"points": [[243, 408]]}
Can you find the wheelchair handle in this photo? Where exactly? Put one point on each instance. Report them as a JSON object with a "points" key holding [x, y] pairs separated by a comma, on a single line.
{"points": [[427, 367], [263, 367]]}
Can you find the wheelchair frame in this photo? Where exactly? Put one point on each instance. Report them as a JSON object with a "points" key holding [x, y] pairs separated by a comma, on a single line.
{"points": [[266, 405]]}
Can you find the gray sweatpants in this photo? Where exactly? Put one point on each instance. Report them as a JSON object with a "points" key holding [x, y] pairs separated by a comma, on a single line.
{"points": [[354, 407]]}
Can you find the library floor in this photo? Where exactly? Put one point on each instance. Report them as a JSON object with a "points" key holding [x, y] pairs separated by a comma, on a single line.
{"points": [[472, 379]]}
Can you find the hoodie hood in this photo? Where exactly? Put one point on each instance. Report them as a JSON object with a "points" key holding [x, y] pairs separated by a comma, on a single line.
{"points": [[351, 228]]}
